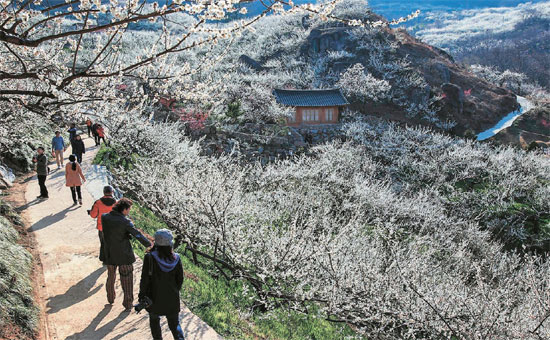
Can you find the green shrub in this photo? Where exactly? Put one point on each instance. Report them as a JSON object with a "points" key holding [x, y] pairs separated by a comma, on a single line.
{"points": [[234, 109]]}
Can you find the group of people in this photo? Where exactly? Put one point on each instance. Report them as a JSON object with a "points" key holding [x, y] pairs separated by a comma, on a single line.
{"points": [[73, 172], [96, 130], [59, 146], [162, 272]]}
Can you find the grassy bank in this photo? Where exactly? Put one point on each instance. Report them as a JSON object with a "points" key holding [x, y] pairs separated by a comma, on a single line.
{"points": [[222, 304], [18, 313]]}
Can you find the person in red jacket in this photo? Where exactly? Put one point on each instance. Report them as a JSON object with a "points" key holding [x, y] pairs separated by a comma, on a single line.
{"points": [[102, 206], [100, 134]]}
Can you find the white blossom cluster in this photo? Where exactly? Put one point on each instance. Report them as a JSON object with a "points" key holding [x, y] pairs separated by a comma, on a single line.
{"points": [[363, 85], [399, 232], [514, 81]]}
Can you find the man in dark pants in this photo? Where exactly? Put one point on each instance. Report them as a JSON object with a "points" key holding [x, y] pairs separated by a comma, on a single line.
{"points": [[117, 232], [94, 133], [41, 172], [104, 205]]}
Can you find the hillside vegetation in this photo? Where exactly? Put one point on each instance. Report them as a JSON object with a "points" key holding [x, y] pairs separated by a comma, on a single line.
{"points": [[384, 72], [397, 232], [18, 313]]}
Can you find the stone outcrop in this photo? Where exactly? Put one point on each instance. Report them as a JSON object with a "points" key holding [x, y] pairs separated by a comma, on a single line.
{"points": [[454, 97], [325, 39], [253, 64], [532, 127], [6, 177], [19, 157]]}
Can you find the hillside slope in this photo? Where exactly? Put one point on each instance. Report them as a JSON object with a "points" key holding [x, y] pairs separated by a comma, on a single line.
{"points": [[427, 86], [18, 312]]}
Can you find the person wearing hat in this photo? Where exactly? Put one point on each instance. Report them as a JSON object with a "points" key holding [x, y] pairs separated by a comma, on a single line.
{"points": [[104, 205], [161, 281], [118, 229]]}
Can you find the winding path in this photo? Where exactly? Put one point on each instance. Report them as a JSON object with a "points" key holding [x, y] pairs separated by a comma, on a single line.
{"points": [[74, 280], [508, 120]]}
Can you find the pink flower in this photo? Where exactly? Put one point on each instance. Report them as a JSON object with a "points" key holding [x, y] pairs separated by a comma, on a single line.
{"points": [[195, 120]]}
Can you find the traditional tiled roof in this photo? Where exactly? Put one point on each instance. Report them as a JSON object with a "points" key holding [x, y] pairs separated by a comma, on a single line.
{"points": [[330, 97]]}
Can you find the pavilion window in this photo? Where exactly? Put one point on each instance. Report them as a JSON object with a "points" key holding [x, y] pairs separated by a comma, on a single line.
{"points": [[329, 114], [310, 115]]}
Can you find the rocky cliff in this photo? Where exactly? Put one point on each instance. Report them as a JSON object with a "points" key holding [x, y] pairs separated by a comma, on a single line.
{"points": [[456, 94]]}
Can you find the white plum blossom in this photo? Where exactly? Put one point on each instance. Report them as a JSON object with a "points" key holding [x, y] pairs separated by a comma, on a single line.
{"points": [[363, 85]]}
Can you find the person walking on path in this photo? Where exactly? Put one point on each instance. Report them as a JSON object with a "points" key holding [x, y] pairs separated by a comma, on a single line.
{"points": [[72, 136], [94, 133], [78, 148], [161, 281], [117, 231], [58, 147], [89, 125], [104, 205], [74, 178], [41, 172], [100, 134]]}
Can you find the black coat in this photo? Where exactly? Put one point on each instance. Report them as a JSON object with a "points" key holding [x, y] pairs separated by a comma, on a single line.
{"points": [[117, 232], [163, 288], [78, 147]]}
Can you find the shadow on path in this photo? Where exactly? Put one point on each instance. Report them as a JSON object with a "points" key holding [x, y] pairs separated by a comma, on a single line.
{"points": [[191, 328], [51, 219], [91, 332], [77, 293], [27, 205]]}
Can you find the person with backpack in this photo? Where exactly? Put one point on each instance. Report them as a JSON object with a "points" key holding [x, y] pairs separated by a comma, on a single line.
{"points": [[78, 148], [74, 178], [104, 205], [58, 147], [118, 229], [160, 285], [89, 125], [41, 172]]}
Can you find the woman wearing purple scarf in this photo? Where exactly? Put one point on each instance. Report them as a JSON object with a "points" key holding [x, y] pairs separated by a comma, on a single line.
{"points": [[161, 280]]}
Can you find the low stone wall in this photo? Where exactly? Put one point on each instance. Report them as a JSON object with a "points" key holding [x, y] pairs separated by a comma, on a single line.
{"points": [[257, 142], [319, 134]]}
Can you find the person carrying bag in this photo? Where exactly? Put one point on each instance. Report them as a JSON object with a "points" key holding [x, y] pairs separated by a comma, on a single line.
{"points": [[160, 285]]}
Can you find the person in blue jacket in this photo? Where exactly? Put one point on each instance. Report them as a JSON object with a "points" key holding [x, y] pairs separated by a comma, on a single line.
{"points": [[58, 147]]}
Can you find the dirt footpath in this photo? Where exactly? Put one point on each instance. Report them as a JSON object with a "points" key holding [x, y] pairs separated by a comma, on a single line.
{"points": [[73, 289]]}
